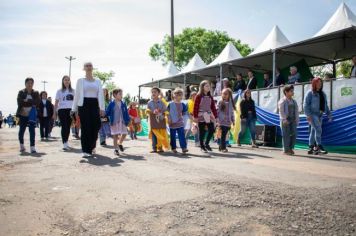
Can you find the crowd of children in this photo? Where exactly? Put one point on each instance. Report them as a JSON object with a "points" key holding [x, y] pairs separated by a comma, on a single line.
{"points": [[97, 114]]}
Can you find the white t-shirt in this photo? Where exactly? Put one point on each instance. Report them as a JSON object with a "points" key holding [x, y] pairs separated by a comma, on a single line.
{"points": [[91, 89], [65, 99]]}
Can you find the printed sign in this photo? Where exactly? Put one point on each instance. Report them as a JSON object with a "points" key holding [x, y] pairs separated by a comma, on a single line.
{"points": [[346, 91]]}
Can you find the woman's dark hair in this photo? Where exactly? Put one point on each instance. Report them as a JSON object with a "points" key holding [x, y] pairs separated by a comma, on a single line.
{"points": [[156, 88], [43, 92], [106, 95], [29, 79], [63, 86], [287, 89], [245, 97]]}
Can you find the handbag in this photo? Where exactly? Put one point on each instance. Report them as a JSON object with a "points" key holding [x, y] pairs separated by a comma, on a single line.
{"points": [[137, 120]]}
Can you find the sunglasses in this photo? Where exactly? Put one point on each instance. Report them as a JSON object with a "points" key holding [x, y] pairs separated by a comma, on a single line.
{"points": [[88, 65]]}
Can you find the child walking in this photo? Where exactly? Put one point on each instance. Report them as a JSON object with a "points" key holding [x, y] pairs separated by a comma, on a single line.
{"points": [[177, 110], [226, 117], [156, 112], [135, 120], [119, 120], [289, 117], [205, 114], [105, 130]]}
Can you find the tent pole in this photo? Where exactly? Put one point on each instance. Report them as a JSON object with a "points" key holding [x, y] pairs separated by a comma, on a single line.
{"points": [[334, 69], [185, 81], [274, 68]]}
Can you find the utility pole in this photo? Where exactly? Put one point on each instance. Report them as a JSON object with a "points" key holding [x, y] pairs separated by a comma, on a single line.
{"points": [[70, 58], [172, 31], [44, 84]]}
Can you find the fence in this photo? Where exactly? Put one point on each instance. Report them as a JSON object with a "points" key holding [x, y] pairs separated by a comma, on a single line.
{"points": [[340, 93]]}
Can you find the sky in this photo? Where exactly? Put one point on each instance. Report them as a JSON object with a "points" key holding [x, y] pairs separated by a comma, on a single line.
{"points": [[37, 35]]}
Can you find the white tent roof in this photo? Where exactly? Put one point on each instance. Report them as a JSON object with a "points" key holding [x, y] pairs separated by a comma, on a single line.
{"points": [[274, 39], [171, 69], [228, 54], [343, 18], [195, 63]]}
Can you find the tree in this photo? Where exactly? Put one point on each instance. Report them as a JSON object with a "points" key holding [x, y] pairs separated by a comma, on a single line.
{"points": [[110, 86], [207, 43], [343, 68], [127, 98], [105, 77]]}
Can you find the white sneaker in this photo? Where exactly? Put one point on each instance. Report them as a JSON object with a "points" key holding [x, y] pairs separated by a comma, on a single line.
{"points": [[66, 146], [86, 155], [93, 151], [33, 149], [22, 148]]}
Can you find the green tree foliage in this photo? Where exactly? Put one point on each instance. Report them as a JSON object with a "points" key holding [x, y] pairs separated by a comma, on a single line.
{"points": [[207, 43], [127, 98], [343, 68], [105, 77]]}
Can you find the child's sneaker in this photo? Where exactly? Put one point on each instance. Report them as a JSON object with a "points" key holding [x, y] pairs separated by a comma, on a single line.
{"points": [[121, 147], [185, 151], [160, 150], [116, 152], [203, 149], [207, 147], [103, 144], [33, 150], [174, 151], [153, 151]]}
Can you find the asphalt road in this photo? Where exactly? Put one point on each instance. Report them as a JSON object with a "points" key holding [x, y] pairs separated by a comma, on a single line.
{"points": [[243, 192]]}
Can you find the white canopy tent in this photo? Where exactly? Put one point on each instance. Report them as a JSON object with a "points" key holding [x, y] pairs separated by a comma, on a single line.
{"points": [[195, 63], [343, 18], [228, 54], [274, 39], [333, 43]]}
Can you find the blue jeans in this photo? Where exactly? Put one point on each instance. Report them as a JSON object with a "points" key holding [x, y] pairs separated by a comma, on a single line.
{"points": [[289, 134], [315, 130], [31, 128], [251, 124], [154, 142], [181, 137]]}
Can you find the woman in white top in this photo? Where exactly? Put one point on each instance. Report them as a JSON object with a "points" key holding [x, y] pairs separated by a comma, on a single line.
{"points": [[63, 106], [89, 103]]}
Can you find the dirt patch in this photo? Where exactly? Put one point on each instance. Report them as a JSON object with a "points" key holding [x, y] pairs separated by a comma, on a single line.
{"points": [[234, 209]]}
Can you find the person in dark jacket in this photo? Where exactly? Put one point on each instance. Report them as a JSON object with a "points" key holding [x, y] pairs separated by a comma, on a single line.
{"points": [[240, 83], [267, 82], [27, 101], [252, 81], [248, 118], [45, 114], [280, 80]]}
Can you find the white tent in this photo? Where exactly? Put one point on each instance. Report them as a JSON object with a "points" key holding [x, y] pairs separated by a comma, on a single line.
{"points": [[343, 18], [228, 54], [171, 69], [195, 63], [274, 39]]}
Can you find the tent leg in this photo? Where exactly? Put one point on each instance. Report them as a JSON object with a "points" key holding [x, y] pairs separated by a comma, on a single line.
{"points": [[334, 69], [274, 68]]}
